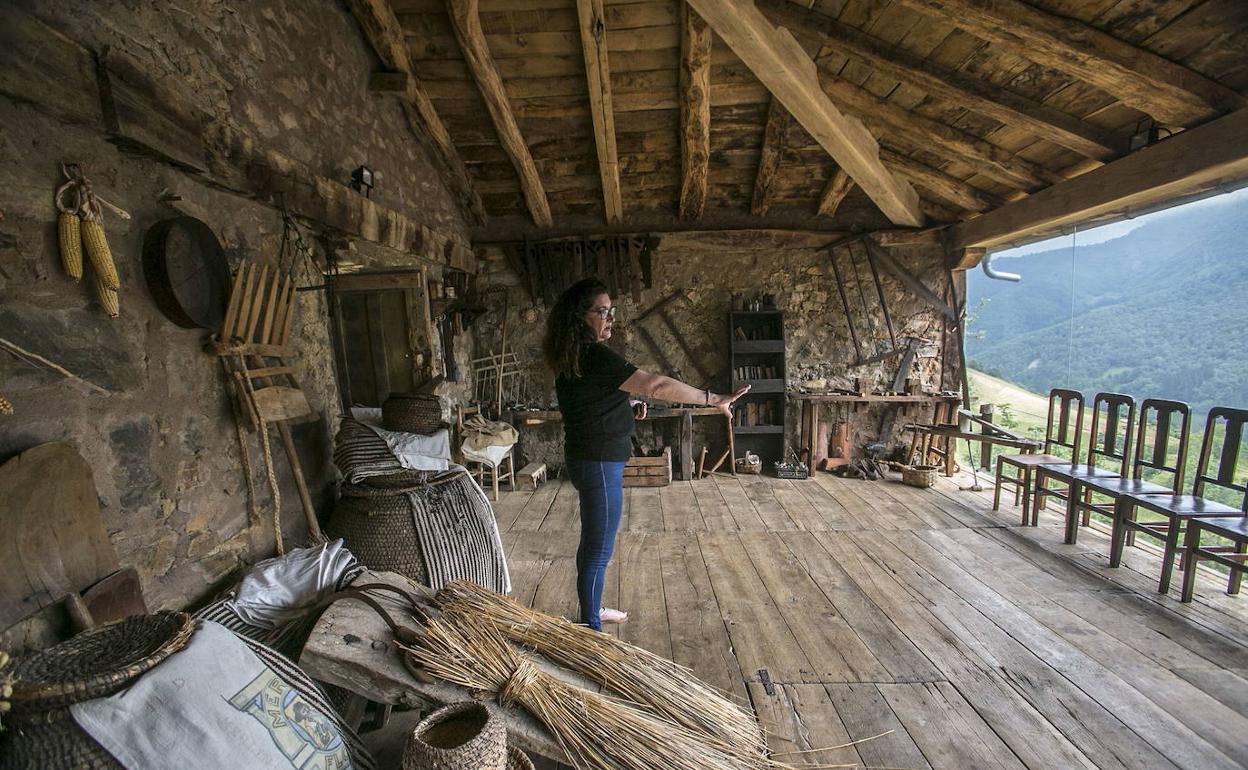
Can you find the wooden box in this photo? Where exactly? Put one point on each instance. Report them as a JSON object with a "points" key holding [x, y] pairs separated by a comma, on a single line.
{"points": [[649, 471]]}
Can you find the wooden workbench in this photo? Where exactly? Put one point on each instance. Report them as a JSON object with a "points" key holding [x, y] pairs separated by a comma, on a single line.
{"points": [[942, 406], [351, 647], [684, 442]]}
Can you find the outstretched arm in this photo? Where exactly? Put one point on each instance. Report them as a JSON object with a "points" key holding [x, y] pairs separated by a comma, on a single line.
{"points": [[668, 389]]}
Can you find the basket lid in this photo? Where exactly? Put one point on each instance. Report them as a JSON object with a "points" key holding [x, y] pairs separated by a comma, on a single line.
{"points": [[97, 662]]}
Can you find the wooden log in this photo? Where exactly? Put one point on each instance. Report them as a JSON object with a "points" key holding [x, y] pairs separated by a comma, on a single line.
{"points": [[466, 21], [593, 30], [695, 112], [837, 188], [961, 194], [781, 64], [1138, 77], [947, 84], [774, 135], [1195, 161]]}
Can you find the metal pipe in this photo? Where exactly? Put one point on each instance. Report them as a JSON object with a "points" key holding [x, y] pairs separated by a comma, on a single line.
{"points": [[997, 275]]}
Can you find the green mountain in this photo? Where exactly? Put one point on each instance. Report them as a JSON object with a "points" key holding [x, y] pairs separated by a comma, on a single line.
{"points": [[1159, 312]]}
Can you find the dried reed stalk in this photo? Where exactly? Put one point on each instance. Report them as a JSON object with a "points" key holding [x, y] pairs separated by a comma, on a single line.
{"points": [[595, 730], [652, 682]]}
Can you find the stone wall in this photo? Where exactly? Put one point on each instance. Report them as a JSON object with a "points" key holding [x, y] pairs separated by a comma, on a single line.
{"points": [[155, 421], [711, 268]]}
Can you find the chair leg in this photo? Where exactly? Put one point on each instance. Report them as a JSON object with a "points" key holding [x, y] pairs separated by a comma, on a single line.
{"points": [[1037, 495], [1237, 575], [1167, 557], [996, 493], [1087, 507], [1072, 514], [1190, 544], [1029, 500], [511, 471], [494, 478], [1119, 534]]}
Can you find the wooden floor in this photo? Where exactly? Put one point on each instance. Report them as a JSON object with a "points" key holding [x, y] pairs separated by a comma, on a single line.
{"points": [[840, 610]]}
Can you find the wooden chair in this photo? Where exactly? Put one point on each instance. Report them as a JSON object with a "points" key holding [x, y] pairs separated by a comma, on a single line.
{"points": [[1182, 510], [1063, 406], [1110, 440], [1152, 452], [478, 468]]}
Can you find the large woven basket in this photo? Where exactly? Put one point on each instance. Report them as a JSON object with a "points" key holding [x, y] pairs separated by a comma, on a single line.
{"points": [[461, 736], [412, 412], [40, 731], [919, 475], [376, 522]]}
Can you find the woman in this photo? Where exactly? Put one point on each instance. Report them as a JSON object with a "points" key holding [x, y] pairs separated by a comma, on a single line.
{"points": [[593, 384]]}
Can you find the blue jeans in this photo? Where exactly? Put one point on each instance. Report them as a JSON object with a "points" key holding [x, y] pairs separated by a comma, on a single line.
{"points": [[600, 485]]}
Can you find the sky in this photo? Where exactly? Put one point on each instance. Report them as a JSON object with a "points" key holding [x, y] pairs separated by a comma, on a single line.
{"points": [[1118, 229]]}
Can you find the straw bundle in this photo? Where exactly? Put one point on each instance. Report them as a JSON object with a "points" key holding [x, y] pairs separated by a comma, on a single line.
{"points": [[666, 688], [596, 731]]}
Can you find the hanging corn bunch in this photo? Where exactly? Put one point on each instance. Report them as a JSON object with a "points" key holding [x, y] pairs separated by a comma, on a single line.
{"points": [[6, 406], [68, 230], [82, 227]]}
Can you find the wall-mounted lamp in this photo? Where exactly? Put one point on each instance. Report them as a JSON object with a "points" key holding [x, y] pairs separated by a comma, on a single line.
{"points": [[1146, 132], [362, 180]]}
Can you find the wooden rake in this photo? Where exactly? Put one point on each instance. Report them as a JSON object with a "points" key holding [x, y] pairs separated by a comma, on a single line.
{"points": [[253, 343]]}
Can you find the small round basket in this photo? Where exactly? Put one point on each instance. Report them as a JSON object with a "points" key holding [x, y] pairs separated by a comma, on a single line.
{"points": [[919, 475], [39, 730], [518, 760], [412, 413], [461, 736]]}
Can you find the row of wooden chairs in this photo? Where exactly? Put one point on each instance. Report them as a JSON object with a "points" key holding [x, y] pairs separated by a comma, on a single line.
{"points": [[1131, 440]]}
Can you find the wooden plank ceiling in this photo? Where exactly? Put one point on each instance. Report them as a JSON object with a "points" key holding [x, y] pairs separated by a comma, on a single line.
{"points": [[973, 103]]}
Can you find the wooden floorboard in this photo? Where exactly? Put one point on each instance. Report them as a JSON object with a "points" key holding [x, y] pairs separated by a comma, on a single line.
{"points": [[937, 632]]}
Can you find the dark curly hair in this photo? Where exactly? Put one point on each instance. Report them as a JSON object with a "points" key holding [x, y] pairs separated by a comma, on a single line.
{"points": [[566, 330]]}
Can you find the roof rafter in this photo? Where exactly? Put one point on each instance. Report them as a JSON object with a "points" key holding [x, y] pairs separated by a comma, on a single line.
{"points": [[593, 29], [381, 28], [781, 64], [980, 96], [695, 112], [774, 136], [466, 21], [834, 192], [1139, 78]]}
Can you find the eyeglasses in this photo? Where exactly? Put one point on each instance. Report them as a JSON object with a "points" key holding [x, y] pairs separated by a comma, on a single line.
{"points": [[605, 312]]}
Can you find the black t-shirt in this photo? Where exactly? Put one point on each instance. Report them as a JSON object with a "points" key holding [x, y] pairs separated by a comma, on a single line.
{"points": [[597, 420]]}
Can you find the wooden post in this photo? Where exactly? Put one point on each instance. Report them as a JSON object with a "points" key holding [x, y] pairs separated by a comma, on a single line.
{"points": [[732, 448], [686, 445], [985, 448]]}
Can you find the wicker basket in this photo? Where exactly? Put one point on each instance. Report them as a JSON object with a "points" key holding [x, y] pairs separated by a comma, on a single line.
{"points": [[40, 731], [413, 413], [376, 522], [919, 475], [461, 736]]}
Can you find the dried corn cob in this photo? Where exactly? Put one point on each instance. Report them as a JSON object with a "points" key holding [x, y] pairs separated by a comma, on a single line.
{"points": [[6, 407], [69, 228], [108, 297], [98, 253]]}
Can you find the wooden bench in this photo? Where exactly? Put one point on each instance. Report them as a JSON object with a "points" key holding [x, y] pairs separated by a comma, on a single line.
{"points": [[534, 472]]}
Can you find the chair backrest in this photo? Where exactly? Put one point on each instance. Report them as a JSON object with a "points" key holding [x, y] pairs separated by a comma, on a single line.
{"points": [[1064, 405], [1112, 433], [1224, 473], [1153, 454]]}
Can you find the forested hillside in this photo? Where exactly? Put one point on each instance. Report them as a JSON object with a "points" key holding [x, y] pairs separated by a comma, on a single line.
{"points": [[1159, 312]]}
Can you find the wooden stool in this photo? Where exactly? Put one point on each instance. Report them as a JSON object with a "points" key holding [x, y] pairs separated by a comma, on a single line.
{"points": [[534, 472]]}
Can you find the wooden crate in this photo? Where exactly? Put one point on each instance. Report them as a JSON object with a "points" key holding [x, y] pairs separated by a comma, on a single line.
{"points": [[649, 471]]}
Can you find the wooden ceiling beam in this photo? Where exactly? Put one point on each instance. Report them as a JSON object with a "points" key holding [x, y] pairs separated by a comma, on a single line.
{"points": [[981, 96], [780, 63], [932, 135], [834, 192], [1197, 160], [695, 112], [382, 30], [950, 189], [774, 137], [1137, 77], [466, 21], [598, 75]]}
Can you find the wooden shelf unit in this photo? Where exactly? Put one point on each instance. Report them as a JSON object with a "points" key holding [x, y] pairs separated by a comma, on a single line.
{"points": [[759, 361]]}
